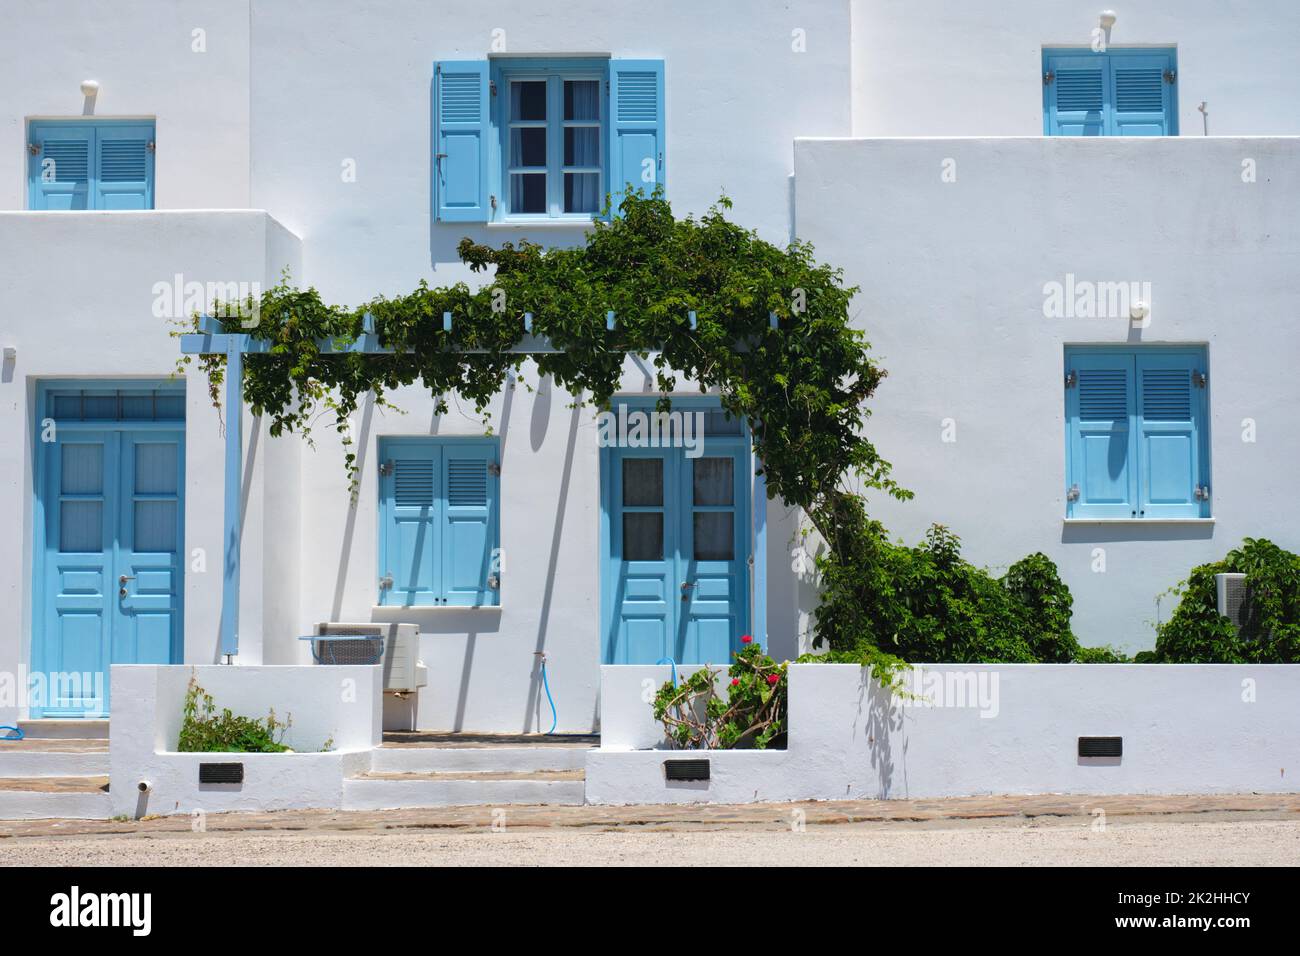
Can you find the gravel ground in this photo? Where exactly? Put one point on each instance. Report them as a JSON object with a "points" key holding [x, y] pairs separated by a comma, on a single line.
{"points": [[1070, 842]]}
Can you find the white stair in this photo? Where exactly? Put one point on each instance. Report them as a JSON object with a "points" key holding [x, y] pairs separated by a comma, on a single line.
{"points": [[56, 729], [465, 759], [54, 773]]}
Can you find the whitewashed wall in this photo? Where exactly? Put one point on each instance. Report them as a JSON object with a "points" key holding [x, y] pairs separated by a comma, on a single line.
{"points": [[990, 729], [974, 68], [952, 277]]}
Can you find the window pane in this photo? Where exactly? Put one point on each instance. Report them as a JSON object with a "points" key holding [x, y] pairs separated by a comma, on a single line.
{"points": [[643, 481], [713, 535], [82, 469], [528, 100], [643, 536], [81, 526], [582, 192], [155, 526], [528, 146], [713, 481], [582, 99], [582, 146], [528, 192]]}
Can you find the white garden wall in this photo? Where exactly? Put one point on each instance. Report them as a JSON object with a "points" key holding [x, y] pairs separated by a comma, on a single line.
{"points": [[338, 707], [992, 729]]}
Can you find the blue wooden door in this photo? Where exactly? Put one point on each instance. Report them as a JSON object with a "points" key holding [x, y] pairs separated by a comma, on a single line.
{"points": [[111, 507], [676, 572]]}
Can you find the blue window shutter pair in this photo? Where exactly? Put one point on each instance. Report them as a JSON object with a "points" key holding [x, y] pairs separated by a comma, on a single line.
{"points": [[462, 125], [1118, 93], [1137, 439], [90, 166], [438, 523]]}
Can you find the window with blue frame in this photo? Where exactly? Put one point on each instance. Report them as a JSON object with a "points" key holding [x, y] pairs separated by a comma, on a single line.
{"points": [[1137, 432], [438, 525], [1121, 92], [544, 139], [99, 164]]}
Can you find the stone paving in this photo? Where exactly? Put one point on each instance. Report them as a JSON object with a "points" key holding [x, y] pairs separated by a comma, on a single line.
{"points": [[892, 814]]}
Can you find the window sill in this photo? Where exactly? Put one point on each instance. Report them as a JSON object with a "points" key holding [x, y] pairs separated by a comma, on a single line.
{"points": [[543, 224], [1139, 521], [377, 611]]}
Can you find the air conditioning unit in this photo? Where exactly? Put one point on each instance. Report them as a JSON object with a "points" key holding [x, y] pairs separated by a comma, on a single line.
{"points": [[1233, 599], [403, 670]]}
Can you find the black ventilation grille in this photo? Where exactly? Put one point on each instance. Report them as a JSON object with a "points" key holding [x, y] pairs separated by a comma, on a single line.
{"points": [[1101, 746], [221, 773], [686, 770]]}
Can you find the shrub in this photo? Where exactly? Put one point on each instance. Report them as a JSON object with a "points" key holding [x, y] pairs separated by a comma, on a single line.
{"points": [[1198, 634], [752, 714], [928, 605], [204, 731]]}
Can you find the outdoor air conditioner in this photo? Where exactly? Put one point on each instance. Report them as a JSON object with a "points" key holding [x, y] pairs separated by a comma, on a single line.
{"points": [[1233, 599], [403, 669]]}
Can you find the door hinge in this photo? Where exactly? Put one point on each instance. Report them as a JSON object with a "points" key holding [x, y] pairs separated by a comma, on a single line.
{"points": [[386, 582], [151, 146], [494, 582], [1072, 494], [494, 468], [386, 467], [1048, 77], [34, 148], [492, 87], [1199, 379], [1071, 379], [1202, 493], [1171, 76]]}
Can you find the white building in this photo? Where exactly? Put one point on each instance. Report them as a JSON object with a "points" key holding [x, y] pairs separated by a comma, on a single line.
{"points": [[1017, 282]]}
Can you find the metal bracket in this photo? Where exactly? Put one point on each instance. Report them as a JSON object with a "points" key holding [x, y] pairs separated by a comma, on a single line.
{"points": [[494, 582], [1199, 379], [386, 467], [1202, 493], [386, 582], [1171, 76], [1048, 77], [1072, 494], [151, 146], [1071, 379], [494, 468], [34, 148]]}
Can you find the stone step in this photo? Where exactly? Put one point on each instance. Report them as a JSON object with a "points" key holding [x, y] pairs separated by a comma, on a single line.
{"points": [[389, 759], [392, 791], [62, 729], [52, 763], [47, 798]]}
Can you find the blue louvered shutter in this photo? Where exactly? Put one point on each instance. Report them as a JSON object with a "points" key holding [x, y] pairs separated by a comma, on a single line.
{"points": [[123, 177], [460, 143], [1143, 100], [409, 523], [1099, 410], [1074, 102], [1171, 435], [636, 96], [469, 530], [59, 171]]}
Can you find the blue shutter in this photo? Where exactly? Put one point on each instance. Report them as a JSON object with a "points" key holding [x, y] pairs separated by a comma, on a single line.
{"points": [[1142, 99], [409, 519], [636, 96], [1074, 102], [1100, 411], [123, 167], [1172, 434], [59, 172], [469, 506], [460, 141]]}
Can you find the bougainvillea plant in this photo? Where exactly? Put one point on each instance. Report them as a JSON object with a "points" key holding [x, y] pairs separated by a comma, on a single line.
{"points": [[751, 713]]}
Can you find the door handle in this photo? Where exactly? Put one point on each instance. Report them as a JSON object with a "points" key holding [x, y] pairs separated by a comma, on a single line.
{"points": [[125, 577], [687, 588], [121, 581]]}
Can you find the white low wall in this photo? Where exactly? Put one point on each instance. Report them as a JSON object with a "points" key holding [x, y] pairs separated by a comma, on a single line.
{"points": [[992, 728], [339, 707]]}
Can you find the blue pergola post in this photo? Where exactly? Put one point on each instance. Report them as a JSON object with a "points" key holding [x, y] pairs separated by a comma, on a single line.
{"points": [[235, 345], [758, 626]]}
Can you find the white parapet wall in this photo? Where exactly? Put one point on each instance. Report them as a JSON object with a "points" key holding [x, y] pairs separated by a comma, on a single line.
{"points": [[338, 708], [981, 729]]}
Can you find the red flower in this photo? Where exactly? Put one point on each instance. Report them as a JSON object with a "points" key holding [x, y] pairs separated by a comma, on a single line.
{"points": [[772, 678], [746, 639], [735, 681]]}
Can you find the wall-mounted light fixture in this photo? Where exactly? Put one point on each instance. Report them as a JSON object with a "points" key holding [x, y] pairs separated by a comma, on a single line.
{"points": [[1107, 19], [1138, 310], [10, 353], [89, 88]]}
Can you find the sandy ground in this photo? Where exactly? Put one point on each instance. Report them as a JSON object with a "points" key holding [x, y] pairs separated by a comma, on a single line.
{"points": [[1071, 842]]}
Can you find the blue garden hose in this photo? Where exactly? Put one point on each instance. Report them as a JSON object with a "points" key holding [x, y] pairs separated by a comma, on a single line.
{"points": [[17, 733], [547, 687], [673, 664]]}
